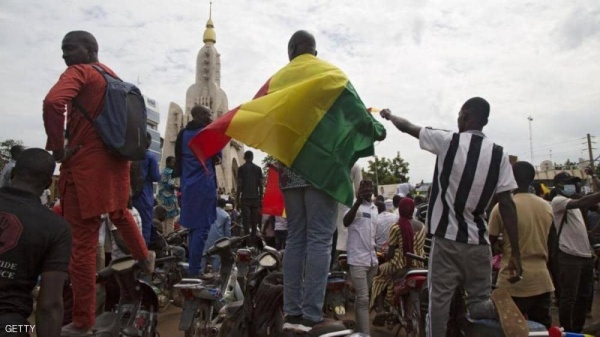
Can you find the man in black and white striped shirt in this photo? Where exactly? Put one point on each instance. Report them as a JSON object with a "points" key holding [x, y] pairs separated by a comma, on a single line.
{"points": [[469, 170]]}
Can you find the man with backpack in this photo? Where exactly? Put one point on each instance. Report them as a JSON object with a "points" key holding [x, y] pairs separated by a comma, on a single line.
{"points": [[143, 192], [92, 180]]}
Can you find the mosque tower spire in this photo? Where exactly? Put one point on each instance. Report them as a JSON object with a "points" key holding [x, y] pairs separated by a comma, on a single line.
{"points": [[209, 33]]}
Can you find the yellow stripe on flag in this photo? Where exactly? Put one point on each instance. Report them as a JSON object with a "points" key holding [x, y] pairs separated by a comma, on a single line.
{"points": [[299, 95], [373, 110]]}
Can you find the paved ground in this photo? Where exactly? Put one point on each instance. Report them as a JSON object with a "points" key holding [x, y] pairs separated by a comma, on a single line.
{"points": [[169, 320]]}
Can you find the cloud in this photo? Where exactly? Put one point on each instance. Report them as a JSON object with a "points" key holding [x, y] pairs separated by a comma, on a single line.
{"points": [[422, 59]]}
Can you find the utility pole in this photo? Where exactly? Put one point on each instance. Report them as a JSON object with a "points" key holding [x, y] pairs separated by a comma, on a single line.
{"points": [[376, 175], [530, 139], [589, 141]]}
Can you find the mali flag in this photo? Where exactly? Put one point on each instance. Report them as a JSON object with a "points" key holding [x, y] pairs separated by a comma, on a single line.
{"points": [[309, 117]]}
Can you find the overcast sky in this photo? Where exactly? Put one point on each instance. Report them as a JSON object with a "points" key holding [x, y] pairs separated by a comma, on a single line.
{"points": [[422, 59]]}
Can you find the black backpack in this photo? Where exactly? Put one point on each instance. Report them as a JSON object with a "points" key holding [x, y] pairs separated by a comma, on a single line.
{"points": [[136, 179], [122, 121]]}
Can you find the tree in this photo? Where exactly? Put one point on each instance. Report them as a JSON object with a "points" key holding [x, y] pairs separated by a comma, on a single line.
{"points": [[383, 171], [5, 149]]}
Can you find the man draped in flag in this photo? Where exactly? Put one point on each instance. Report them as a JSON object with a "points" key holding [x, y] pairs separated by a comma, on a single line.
{"points": [[309, 117]]}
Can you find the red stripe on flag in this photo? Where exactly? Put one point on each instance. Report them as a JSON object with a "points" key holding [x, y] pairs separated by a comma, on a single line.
{"points": [[273, 203], [263, 90], [212, 138]]}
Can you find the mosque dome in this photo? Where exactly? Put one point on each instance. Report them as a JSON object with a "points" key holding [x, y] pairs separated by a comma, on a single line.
{"points": [[209, 33]]}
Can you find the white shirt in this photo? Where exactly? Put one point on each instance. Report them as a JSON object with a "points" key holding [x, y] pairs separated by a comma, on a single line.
{"points": [[361, 236], [383, 223], [356, 177], [403, 189], [44, 197], [573, 238], [470, 169], [116, 251]]}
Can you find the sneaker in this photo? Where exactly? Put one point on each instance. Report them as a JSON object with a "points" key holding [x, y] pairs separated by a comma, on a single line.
{"points": [[147, 264], [291, 322], [307, 325], [70, 330]]}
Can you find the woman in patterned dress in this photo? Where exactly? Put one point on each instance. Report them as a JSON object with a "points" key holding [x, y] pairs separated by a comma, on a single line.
{"points": [[409, 231]]}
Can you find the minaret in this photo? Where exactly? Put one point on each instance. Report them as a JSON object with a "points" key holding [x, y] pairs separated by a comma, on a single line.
{"points": [[207, 91]]}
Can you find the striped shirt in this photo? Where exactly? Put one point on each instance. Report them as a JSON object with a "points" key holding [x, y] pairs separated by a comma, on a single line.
{"points": [[469, 170]]}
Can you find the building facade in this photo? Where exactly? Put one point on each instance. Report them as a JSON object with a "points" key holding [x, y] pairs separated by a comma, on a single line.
{"points": [[152, 128]]}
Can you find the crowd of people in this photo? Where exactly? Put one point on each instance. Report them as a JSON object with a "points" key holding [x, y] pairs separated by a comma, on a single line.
{"points": [[544, 244]]}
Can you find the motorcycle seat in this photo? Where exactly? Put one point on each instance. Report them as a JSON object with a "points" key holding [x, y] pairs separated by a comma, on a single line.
{"points": [[231, 308], [106, 323], [207, 277]]}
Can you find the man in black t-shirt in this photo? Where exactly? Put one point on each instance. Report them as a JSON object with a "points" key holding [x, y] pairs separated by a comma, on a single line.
{"points": [[33, 241], [250, 187]]}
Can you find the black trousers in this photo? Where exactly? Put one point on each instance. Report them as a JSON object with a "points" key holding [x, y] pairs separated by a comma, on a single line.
{"points": [[576, 278], [536, 308], [250, 215]]}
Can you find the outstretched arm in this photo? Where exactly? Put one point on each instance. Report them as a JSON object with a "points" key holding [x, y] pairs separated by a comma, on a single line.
{"points": [[401, 124]]}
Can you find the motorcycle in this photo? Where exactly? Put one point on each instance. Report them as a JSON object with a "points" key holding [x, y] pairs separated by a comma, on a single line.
{"points": [[136, 313], [338, 291], [260, 313], [205, 296]]}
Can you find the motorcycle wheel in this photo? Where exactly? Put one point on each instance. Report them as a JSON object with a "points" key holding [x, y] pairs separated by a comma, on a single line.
{"points": [[199, 324], [413, 312]]}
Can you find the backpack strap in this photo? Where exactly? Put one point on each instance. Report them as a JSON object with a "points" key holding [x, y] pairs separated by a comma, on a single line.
{"points": [[562, 225], [80, 107]]}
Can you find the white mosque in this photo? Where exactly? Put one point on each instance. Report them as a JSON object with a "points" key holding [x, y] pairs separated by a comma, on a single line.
{"points": [[206, 91]]}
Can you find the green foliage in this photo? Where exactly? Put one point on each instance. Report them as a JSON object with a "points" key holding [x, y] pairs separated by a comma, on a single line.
{"points": [[384, 171], [5, 149], [265, 164]]}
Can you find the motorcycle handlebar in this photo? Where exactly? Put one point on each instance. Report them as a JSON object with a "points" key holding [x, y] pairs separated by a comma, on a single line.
{"points": [[166, 259], [416, 257]]}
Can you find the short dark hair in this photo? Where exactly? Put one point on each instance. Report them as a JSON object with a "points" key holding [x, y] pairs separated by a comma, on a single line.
{"points": [[199, 110], [478, 106], [396, 200], [86, 38], [15, 151], [524, 173], [221, 202], [169, 159], [35, 167], [380, 206], [248, 155]]}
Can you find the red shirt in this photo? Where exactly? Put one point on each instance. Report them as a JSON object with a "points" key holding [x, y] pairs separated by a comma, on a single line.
{"points": [[101, 180]]}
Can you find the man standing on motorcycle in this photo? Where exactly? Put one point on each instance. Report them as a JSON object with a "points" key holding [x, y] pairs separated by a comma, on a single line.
{"points": [[470, 169]]}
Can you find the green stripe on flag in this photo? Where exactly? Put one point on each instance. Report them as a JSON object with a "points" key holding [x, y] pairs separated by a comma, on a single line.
{"points": [[344, 134]]}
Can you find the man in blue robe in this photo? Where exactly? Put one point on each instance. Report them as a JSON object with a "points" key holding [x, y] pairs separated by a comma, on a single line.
{"points": [[146, 173], [198, 188]]}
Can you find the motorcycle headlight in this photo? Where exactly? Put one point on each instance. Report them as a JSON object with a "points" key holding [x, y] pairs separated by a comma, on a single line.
{"points": [[267, 261]]}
